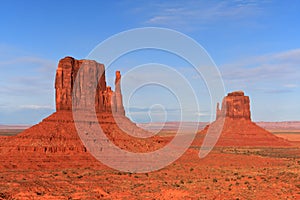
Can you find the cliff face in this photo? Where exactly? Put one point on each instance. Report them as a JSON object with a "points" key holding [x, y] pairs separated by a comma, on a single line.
{"points": [[106, 100], [236, 106]]}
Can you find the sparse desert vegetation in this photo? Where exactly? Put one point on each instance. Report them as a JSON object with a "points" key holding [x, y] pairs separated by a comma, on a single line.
{"points": [[223, 174]]}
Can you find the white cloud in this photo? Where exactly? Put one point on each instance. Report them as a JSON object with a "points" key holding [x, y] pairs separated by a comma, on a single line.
{"points": [[26, 74], [26, 85], [13, 108], [44, 64], [195, 14], [290, 85], [276, 72], [203, 114], [36, 107]]}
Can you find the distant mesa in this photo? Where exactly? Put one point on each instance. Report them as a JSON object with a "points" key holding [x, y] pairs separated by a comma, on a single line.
{"points": [[234, 119]]}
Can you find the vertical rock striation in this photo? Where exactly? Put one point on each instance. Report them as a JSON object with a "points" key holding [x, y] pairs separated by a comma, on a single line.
{"points": [[68, 93], [236, 106]]}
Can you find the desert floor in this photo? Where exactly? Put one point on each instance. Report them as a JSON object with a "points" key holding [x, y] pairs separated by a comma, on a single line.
{"points": [[226, 173]]}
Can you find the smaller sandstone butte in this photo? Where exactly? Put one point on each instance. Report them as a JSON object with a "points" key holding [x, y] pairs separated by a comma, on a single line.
{"points": [[234, 120], [235, 105]]}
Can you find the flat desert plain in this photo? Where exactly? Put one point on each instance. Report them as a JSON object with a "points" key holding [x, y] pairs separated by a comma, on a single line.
{"points": [[226, 173]]}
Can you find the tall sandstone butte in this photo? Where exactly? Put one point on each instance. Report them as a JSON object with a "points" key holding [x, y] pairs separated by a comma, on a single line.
{"points": [[57, 135], [68, 93], [237, 129]]}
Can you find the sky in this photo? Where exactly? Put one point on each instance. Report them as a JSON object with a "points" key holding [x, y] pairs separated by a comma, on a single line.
{"points": [[254, 44]]}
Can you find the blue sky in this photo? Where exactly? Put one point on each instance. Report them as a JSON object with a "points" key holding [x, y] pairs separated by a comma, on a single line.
{"points": [[255, 44]]}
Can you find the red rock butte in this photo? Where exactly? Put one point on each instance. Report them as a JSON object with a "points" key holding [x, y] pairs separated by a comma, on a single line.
{"points": [[67, 92], [235, 106], [234, 118], [57, 136], [57, 133], [49, 161]]}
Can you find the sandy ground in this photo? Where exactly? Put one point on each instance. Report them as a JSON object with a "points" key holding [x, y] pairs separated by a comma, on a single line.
{"points": [[226, 173], [290, 136]]}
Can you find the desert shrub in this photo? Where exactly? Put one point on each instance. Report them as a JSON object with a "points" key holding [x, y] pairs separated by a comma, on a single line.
{"points": [[176, 185], [39, 193]]}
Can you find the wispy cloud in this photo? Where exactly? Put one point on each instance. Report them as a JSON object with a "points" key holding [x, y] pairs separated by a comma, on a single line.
{"points": [[27, 74], [13, 108], [291, 85], [146, 114], [150, 109], [36, 107], [26, 86], [43, 63], [196, 14], [276, 70]]}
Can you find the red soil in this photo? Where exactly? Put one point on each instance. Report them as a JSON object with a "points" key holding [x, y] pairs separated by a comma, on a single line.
{"points": [[65, 170], [221, 175]]}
